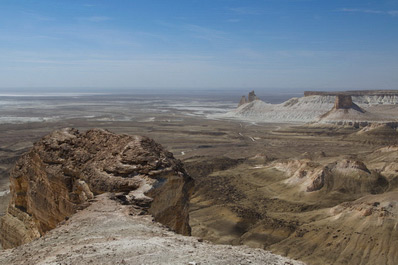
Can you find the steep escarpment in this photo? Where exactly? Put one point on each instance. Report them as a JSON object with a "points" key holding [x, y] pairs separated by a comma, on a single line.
{"points": [[345, 108], [65, 170]]}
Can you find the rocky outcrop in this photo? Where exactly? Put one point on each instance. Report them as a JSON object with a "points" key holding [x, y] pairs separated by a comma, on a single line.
{"points": [[66, 169], [252, 96], [305, 174], [347, 176], [346, 112], [343, 102], [242, 101]]}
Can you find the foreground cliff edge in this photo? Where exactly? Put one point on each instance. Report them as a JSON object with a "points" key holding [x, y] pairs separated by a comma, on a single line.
{"points": [[83, 198], [106, 232], [64, 171]]}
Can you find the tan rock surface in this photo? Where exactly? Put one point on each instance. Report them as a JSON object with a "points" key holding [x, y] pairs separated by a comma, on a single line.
{"points": [[346, 176], [66, 169], [360, 232], [109, 233]]}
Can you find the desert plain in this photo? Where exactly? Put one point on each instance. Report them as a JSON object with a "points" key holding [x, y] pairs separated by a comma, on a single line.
{"points": [[319, 193]]}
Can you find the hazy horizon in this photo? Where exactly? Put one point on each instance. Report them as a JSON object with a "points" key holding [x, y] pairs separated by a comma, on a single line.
{"points": [[169, 91]]}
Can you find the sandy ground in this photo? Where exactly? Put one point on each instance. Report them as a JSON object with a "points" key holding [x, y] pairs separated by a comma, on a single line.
{"points": [[106, 233]]}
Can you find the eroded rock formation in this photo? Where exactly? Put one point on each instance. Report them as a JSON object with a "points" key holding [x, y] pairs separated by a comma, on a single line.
{"points": [[343, 102], [66, 169], [242, 101], [344, 175], [252, 96]]}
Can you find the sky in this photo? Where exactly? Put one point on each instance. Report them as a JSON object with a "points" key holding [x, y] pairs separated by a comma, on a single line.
{"points": [[199, 44]]}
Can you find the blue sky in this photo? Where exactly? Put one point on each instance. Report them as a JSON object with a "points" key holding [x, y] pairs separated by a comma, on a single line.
{"points": [[263, 44]]}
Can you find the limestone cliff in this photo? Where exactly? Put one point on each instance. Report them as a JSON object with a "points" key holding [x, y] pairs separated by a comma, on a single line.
{"points": [[66, 169]]}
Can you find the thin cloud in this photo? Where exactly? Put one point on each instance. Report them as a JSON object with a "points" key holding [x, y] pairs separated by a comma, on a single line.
{"points": [[233, 20], [205, 33], [96, 18], [393, 12], [370, 11], [358, 10], [245, 11], [38, 17]]}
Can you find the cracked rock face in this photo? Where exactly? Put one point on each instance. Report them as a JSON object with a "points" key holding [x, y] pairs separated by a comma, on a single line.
{"points": [[66, 169]]}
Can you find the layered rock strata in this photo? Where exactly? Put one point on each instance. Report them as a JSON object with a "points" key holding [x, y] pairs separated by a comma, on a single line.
{"points": [[66, 169]]}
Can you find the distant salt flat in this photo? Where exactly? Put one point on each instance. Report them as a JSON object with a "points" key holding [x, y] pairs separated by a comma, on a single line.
{"points": [[19, 120], [150, 119], [114, 119], [50, 94], [17, 108], [202, 110]]}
